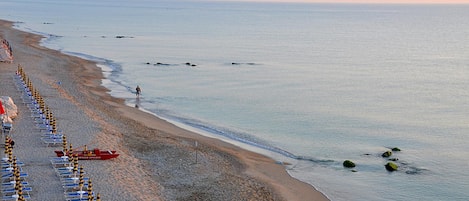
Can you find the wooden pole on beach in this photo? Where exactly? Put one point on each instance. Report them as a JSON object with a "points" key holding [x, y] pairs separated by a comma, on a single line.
{"points": [[196, 148]]}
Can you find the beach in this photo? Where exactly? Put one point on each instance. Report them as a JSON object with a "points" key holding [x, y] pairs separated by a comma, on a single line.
{"points": [[158, 161]]}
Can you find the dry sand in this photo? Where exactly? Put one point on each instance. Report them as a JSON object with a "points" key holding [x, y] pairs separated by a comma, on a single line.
{"points": [[157, 160]]}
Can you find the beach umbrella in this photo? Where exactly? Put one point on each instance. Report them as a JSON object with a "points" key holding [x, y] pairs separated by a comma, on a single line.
{"points": [[48, 114], [54, 126], [64, 144], [16, 176], [19, 192], [30, 84], [75, 169], [75, 159], [6, 147], [18, 187], [15, 165], [81, 179], [17, 181], [70, 156], [98, 197], [90, 190], [10, 154]]}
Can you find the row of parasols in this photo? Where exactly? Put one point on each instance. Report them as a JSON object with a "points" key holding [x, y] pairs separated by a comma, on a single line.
{"points": [[76, 186], [14, 185]]}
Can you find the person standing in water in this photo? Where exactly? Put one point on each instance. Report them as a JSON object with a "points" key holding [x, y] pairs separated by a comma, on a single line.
{"points": [[138, 91]]}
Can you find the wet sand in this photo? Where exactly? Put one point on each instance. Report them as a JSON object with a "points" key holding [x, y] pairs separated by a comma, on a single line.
{"points": [[157, 159]]}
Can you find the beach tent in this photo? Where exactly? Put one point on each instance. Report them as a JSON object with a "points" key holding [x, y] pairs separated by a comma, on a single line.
{"points": [[8, 109], [5, 56]]}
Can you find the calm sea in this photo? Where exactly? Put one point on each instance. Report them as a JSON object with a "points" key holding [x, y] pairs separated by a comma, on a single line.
{"points": [[311, 84]]}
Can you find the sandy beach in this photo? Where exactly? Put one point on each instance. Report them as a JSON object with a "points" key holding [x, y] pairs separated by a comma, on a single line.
{"points": [[157, 159]]}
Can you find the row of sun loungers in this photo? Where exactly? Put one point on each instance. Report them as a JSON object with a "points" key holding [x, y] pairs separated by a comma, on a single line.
{"points": [[76, 186], [40, 113], [14, 185]]}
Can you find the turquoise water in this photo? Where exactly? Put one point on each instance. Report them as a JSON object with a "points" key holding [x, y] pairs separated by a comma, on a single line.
{"points": [[314, 84]]}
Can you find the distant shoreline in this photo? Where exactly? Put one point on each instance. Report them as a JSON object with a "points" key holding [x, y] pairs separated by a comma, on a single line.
{"points": [[156, 145]]}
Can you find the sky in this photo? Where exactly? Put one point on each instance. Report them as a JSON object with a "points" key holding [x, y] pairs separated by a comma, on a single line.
{"points": [[367, 1]]}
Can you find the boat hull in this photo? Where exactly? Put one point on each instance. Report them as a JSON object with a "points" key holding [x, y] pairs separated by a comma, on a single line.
{"points": [[95, 154]]}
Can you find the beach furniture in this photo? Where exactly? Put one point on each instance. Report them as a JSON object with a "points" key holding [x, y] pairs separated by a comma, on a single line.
{"points": [[9, 175], [15, 197], [51, 141], [77, 194], [6, 127], [11, 184], [13, 190]]}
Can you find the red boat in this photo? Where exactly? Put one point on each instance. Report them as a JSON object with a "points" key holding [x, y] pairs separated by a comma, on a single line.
{"points": [[94, 154]]}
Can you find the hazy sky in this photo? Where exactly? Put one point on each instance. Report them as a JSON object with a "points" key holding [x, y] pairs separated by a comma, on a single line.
{"points": [[362, 1]]}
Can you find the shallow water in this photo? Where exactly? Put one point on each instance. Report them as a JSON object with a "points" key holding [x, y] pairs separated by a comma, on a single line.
{"points": [[315, 83]]}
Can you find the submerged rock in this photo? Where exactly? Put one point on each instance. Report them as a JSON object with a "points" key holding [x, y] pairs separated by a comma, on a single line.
{"points": [[396, 149], [189, 64], [120, 36], [391, 166], [386, 154], [348, 164]]}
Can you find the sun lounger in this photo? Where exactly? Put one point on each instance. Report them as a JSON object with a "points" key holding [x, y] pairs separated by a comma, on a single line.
{"points": [[12, 190], [74, 186], [66, 174], [11, 184], [8, 175], [77, 194], [77, 199], [8, 170], [6, 127], [73, 180], [52, 141], [6, 165], [13, 197]]}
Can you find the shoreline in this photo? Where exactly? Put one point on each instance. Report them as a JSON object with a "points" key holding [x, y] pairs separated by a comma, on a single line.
{"points": [[153, 150]]}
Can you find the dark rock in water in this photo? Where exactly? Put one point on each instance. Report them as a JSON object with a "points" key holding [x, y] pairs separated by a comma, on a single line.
{"points": [[386, 154], [395, 149], [348, 164], [236, 63], [124, 37], [391, 166], [161, 64], [189, 64]]}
